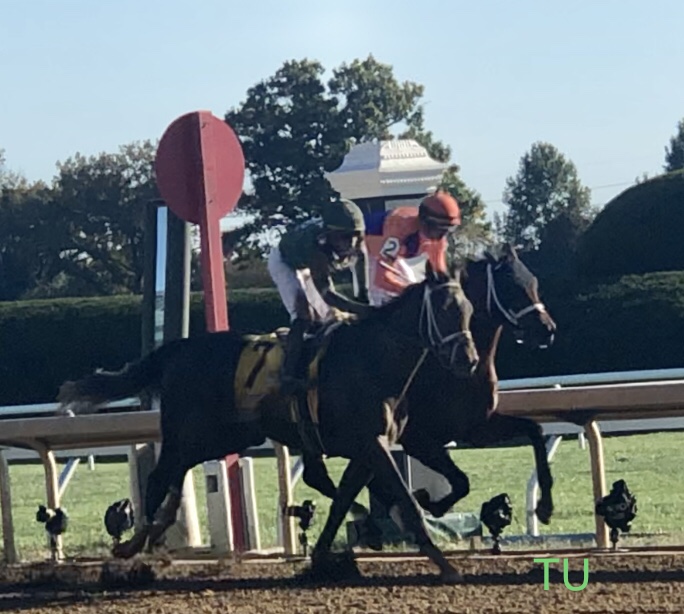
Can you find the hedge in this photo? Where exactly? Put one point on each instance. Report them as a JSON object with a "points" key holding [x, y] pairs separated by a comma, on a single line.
{"points": [[639, 231], [636, 322], [45, 342]]}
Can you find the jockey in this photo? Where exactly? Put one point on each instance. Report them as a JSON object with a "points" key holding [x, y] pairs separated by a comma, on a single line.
{"points": [[402, 234], [301, 266]]}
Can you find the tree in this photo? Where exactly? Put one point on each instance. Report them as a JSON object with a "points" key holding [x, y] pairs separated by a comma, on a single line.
{"points": [[674, 155], [546, 185], [101, 201], [27, 230], [294, 127], [474, 231]]}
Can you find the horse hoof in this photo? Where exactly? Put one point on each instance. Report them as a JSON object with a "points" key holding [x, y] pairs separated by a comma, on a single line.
{"points": [[326, 567], [422, 497], [125, 550], [372, 535], [544, 513], [451, 576], [128, 549]]}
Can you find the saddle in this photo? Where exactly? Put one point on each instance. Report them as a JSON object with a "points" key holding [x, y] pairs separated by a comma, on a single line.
{"points": [[258, 375]]}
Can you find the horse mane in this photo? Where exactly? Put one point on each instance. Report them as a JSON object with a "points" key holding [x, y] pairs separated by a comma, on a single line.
{"points": [[466, 252]]}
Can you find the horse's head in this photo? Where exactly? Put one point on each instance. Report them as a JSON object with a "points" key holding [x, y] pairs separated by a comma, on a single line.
{"points": [[512, 299], [444, 321]]}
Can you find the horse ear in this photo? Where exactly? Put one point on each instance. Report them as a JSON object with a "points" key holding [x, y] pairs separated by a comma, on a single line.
{"points": [[509, 252]]}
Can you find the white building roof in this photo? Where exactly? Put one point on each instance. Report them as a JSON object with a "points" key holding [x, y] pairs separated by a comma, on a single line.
{"points": [[386, 168]]}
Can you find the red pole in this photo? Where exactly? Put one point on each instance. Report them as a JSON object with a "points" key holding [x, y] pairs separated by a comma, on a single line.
{"points": [[200, 170]]}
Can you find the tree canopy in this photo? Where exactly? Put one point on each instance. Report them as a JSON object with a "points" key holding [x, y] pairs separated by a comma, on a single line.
{"points": [[546, 185], [295, 126], [674, 154]]}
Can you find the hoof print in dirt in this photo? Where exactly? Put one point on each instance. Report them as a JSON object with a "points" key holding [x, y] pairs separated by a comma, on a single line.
{"points": [[333, 567]]}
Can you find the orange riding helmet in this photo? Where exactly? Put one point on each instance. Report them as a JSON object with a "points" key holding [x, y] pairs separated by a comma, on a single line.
{"points": [[440, 210]]}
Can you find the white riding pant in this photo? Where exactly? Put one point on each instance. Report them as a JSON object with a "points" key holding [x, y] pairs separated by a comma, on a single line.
{"points": [[291, 283]]}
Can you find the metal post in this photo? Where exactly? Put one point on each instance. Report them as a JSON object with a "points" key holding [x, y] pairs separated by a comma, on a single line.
{"points": [[142, 458], [9, 547], [176, 324]]}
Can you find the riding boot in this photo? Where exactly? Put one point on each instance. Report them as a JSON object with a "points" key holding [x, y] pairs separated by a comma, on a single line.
{"points": [[291, 377]]}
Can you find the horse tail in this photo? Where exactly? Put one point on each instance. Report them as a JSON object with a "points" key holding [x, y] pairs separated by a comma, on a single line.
{"points": [[84, 395]]}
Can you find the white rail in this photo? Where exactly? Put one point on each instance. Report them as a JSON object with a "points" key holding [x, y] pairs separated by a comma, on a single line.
{"points": [[641, 403]]}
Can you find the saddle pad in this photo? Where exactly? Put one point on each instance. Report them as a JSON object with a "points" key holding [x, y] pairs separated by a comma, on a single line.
{"points": [[258, 370]]}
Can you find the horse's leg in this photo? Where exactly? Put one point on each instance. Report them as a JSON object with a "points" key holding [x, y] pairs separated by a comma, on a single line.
{"points": [[158, 484], [316, 476], [436, 457], [384, 467], [167, 511], [500, 428], [355, 477]]}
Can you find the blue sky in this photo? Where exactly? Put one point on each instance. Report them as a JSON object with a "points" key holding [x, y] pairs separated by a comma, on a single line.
{"points": [[600, 79]]}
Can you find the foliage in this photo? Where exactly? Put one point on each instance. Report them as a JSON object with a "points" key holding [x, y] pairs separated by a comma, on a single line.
{"points": [[639, 231], [101, 200], [635, 322], [546, 186], [474, 227], [295, 127], [631, 323], [25, 211], [674, 155], [83, 234]]}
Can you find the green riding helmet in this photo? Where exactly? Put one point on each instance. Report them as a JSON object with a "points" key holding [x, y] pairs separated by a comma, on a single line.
{"points": [[343, 215]]}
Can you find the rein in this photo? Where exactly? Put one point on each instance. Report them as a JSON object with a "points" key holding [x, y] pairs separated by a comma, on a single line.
{"points": [[443, 345]]}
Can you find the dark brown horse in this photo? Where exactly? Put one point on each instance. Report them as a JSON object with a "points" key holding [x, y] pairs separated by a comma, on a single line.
{"points": [[444, 408], [362, 373]]}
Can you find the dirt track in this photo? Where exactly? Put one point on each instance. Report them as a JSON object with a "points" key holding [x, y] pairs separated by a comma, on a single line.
{"points": [[633, 584]]}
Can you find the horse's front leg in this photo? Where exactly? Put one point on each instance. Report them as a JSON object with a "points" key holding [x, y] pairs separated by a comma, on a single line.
{"points": [[436, 457], [384, 467], [501, 428]]}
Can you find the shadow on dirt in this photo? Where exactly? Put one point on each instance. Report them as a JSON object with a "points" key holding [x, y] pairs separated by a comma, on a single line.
{"points": [[53, 586]]}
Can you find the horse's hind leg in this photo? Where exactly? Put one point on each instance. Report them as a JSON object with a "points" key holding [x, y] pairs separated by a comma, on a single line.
{"points": [[384, 467], [501, 428], [164, 499], [159, 485]]}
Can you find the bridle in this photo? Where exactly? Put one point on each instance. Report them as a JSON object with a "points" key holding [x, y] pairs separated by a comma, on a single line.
{"points": [[445, 346], [513, 317]]}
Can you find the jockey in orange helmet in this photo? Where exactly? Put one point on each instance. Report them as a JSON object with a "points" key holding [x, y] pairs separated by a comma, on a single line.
{"points": [[404, 233]]}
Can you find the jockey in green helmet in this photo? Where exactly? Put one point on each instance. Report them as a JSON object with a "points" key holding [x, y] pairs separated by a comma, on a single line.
{"points": [[301, 267]]}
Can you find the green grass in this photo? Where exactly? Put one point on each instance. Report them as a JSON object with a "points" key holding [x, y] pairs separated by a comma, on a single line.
{"points": [[651, 465]]}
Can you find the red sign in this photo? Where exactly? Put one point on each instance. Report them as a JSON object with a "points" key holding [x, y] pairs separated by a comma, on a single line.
{"points": [[200, 170], [200, 165]]}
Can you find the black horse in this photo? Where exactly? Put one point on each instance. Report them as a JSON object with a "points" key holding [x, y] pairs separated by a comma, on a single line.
{"points": [[444, 408], [361, 378]]}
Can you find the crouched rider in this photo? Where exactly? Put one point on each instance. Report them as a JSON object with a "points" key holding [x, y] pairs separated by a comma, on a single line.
{"points": [[301, 267], [400, 235]]}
